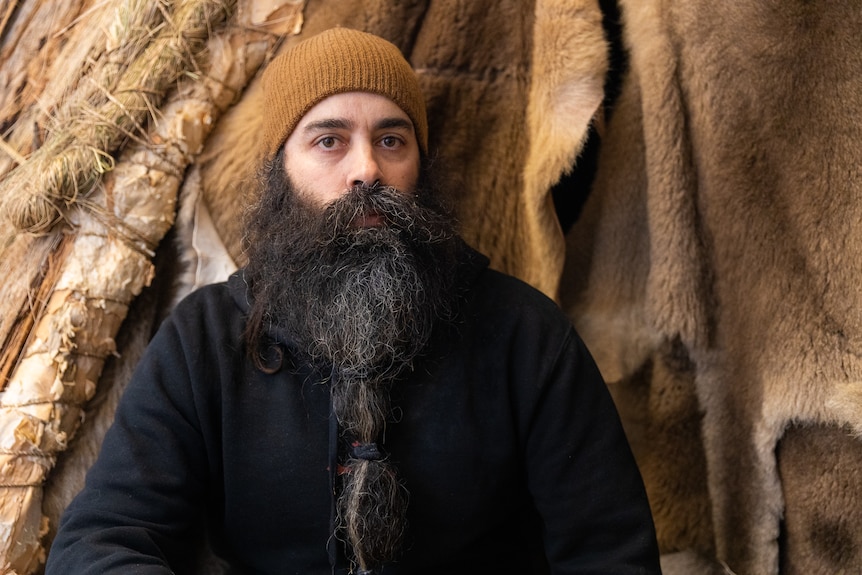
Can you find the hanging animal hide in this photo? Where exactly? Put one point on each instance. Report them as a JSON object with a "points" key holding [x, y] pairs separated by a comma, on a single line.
{"points": [[715, 275]]}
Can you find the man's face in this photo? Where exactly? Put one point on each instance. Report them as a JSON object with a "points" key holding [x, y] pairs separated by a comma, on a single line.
{"points": [[349, 139]]}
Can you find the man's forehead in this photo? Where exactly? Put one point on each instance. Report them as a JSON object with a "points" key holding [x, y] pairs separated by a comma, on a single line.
{"points": [[345, 109]]}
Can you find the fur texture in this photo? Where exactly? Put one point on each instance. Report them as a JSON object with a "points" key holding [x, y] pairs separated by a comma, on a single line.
{"points": [[821, 536], [725, 225]]}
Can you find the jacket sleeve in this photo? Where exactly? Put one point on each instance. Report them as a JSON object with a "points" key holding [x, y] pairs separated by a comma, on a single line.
{"points": [[582, 474], [142, 497]]}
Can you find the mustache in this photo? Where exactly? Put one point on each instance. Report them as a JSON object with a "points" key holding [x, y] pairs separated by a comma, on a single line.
{"points": [[399, 210]]}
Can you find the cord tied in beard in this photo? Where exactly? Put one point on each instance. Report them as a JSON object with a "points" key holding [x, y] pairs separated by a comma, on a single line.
{"points": [[365, 451], [372, 504]]}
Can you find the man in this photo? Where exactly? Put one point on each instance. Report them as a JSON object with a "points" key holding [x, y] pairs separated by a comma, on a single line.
{"points": [[366, 396]]}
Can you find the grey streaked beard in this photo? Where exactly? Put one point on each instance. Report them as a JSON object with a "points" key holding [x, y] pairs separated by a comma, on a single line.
{"points": [[371, 318], [364, 299], [361, 303]]}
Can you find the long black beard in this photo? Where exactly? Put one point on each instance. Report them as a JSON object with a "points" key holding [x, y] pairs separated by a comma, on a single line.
{"points": [[362, 298], [361, 304]]}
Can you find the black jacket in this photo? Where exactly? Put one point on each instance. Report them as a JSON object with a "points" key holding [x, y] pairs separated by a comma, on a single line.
{"points": [[507, 440]]}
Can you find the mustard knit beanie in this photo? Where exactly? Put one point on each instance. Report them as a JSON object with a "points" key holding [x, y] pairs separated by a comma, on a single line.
{"points": [[332, 62]]}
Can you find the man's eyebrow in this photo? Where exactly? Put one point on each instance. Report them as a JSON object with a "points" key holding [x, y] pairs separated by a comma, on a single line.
{"points": [[394, 122], [327, 124]]}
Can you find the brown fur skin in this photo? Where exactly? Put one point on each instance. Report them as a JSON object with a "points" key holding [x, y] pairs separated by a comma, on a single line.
{"points": [[726, 216], [823, 538]]}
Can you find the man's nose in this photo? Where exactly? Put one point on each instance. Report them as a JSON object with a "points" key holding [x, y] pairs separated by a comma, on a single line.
{"points": [[363, 167]]}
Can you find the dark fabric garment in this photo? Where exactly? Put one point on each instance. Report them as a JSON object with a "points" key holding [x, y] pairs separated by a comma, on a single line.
{"points": [[504, 433]]}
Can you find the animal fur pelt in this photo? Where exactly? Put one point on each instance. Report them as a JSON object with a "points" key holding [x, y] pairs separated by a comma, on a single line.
{"points": [[715, 274], [821, 477]]}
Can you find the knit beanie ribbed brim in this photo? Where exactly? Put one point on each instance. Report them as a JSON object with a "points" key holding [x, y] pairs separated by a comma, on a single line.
{"points": [[336, 61]]}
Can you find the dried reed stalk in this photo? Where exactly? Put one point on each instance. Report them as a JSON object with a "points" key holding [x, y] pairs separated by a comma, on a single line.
{"points": [[108, 263]]}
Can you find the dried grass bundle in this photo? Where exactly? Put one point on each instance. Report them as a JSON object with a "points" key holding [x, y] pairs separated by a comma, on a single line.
{"points": [[150, 50]]}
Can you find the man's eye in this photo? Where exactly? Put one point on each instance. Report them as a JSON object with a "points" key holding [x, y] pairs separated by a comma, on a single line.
{"points": [[390, 142], [327, 142]]}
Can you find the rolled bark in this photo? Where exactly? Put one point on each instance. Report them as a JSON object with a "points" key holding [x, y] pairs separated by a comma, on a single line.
{"points": [[106, 263]]}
